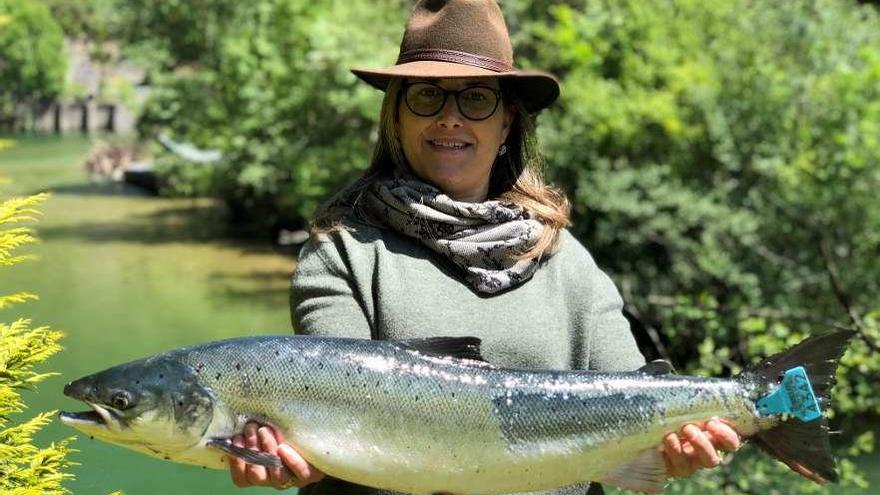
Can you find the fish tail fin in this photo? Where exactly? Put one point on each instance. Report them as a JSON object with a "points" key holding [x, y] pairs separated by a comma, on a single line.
{"points": [[802, 378]]}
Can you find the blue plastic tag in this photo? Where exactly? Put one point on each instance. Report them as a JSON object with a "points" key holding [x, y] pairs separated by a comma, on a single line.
{"points": [[793, 396]]}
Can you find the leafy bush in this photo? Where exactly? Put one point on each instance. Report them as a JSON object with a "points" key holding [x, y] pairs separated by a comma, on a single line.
{"points": [[25, 469]]}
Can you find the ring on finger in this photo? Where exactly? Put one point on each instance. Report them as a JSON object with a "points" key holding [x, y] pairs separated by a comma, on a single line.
{"points": [[290, 483]]}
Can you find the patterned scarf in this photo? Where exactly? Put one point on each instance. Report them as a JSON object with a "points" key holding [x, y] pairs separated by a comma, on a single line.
{"points": [[479, 238]]}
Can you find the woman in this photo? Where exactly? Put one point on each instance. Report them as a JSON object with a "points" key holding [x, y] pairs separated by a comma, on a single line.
{"points": [[453, 232]]}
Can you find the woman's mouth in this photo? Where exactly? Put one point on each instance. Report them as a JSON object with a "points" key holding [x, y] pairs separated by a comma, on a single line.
{"points": [[448, 145]]}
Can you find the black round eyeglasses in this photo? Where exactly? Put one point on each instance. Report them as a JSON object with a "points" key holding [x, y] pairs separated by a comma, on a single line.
{"points": [[474, 102]]}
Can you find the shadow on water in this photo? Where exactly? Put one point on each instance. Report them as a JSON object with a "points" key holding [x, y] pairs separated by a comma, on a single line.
{"points": [[261, 287], [168, 222], [158, 221], [124, 215], [255, 278], [98, 189], [195, 224]]}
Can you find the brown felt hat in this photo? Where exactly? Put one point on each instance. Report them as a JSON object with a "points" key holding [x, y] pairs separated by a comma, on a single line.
{"points": [[462, 38]]}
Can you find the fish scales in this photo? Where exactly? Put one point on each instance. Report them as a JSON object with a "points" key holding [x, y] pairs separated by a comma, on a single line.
{"points": [[398, 416], [346, 404]]}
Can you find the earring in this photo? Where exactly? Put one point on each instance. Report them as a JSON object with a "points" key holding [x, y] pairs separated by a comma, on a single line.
{"points": [[502, 150]]}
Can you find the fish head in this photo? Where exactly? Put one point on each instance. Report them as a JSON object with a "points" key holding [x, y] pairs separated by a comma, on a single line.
{"points": [[155, 406]]}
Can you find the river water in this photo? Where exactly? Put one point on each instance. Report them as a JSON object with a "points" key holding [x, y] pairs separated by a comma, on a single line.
{"points": [[125, 275]]}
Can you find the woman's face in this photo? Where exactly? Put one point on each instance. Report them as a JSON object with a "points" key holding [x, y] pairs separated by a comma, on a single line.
{"points": [[450, 150]]}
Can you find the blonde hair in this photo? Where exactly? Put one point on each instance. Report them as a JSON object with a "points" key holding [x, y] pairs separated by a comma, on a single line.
{"points": [[517, 176]]}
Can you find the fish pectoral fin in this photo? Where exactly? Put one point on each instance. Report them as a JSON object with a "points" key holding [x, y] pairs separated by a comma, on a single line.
{"points": [[646, 473], [250, 456]]}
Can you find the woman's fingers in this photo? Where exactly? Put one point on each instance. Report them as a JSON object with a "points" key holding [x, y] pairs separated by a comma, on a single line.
{"points": [[705, 451], [256, 474], [677, 463], [296, 471], [278, 477], [696, 447], [304, 472], [723, 436], [237, 467]]}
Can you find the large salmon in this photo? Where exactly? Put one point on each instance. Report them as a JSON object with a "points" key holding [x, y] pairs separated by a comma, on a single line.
{"points": [[427, 416]]}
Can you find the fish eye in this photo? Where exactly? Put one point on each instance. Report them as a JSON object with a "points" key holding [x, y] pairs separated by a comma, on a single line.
{"points": [[121, 400]]}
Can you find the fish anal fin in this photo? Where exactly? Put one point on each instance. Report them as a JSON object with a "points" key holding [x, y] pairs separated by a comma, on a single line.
{"points": [[250, 456], [657, 367], [645, 473]]}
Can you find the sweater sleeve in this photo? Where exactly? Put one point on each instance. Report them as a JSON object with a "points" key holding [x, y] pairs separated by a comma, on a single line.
{"points": [[323, 297]]}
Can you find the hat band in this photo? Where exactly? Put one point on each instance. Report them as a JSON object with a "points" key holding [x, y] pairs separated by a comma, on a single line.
{"points": [[454, 57]]}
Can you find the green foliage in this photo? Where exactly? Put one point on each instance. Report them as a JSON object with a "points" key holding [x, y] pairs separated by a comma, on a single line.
{"points": [[274, 94], [32, 54], [722, 159], [179, 32], [25, 469], [96, 20]]}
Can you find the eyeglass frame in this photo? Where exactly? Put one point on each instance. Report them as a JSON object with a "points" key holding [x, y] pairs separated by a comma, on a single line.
{"points": [[446, 92]]}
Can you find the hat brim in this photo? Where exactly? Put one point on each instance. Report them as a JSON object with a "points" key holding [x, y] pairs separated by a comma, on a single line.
{"points": [[538, 90]]}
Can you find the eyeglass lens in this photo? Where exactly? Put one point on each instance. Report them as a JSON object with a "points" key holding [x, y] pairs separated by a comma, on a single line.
{"points": [[475, 103]]}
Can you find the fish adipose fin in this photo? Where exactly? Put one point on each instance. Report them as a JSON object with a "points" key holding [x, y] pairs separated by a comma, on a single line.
{"points": [[801, 440], [457, 347], [646, 473], [246, 454]]}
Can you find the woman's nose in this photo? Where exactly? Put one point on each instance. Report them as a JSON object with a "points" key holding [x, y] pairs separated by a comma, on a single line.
{"points": [[449, 115]]}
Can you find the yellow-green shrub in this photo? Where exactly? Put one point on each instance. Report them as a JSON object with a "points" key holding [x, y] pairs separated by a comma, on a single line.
{"points": [[25, 469]]}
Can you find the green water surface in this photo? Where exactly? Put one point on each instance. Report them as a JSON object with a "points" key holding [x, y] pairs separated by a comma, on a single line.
{"points": [[125, 275]]}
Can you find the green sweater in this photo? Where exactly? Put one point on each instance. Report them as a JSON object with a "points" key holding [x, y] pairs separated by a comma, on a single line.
{"points": [[375, 283]]}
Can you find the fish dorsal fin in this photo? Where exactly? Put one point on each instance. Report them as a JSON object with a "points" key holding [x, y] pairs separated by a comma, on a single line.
{"points": [[457, 347], [645, 473], [657, 367]]}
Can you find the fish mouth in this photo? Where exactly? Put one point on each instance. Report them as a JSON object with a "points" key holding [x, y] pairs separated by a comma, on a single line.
{"points": [[98, 417]]}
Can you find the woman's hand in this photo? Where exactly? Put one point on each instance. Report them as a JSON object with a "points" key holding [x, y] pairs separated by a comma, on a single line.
{"points": [[297, 472], [697, 448]]}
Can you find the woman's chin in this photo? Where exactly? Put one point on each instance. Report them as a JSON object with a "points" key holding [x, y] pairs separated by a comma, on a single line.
{"points": [[456, 178], [460, 192]]}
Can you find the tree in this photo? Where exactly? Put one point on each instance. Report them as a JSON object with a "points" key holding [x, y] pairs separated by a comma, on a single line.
{"points": [[32, 62]]}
